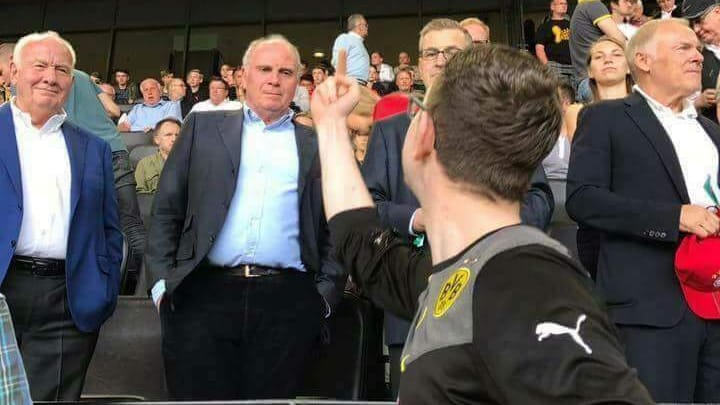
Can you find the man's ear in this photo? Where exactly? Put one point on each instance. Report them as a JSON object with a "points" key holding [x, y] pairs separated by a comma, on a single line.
{"points": [[425, 144], [642, 61]]}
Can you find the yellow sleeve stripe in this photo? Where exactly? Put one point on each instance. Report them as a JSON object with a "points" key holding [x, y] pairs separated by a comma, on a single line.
{"points": [[597, 20]]}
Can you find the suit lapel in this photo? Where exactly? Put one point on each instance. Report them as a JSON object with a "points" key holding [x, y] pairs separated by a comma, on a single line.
{"points": [[76, 146], [9, 151], [712, 130], [231, 133], [307, 149], [640, 112]]}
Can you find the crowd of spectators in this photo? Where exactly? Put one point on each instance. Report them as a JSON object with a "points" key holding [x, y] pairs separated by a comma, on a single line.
{"points": [[625, 152]]}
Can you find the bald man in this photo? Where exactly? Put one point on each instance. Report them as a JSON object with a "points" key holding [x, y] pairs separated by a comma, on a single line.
{"points": [[144, 117]]}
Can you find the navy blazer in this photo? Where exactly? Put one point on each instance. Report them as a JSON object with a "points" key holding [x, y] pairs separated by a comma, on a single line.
{"points": [[396, 203], [194, 195], [94, 250], [625, 180]]}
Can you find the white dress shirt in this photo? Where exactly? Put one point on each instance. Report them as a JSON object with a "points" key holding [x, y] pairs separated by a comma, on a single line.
{"points": [[696, 152], [386, 73], [46, 179], [226, 105], [664, 15]]}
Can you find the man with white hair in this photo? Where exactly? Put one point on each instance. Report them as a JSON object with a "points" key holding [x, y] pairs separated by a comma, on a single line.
{"points": [[61, 240], [144, 117], [642, 170], [238, 249]]}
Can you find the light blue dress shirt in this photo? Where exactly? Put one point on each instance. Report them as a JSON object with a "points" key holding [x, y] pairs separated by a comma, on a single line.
{"points": [[358, 60], [262, 226], [144, 116]]}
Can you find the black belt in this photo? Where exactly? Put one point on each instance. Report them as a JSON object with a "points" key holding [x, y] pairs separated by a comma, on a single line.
{"points": [[39, 266]]}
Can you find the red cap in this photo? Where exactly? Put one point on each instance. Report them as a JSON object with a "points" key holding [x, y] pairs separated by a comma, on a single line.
{"points": [[391, 105], [697, 265]]}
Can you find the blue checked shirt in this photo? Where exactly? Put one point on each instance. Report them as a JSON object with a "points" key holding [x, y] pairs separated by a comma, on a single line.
{"points": [[14, 387]]}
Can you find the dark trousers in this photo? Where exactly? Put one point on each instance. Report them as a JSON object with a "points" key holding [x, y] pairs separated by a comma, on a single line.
{"points": [[228, 337], [130, 221], [678, 364], [395, 354], [56, 354]]}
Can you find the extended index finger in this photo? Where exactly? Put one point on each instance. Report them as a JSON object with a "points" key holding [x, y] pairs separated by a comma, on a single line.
{"points": [[341, 68]]}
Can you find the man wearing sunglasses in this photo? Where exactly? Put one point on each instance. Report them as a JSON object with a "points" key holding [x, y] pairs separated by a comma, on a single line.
{"points": [[397, 205], [704, 18]]}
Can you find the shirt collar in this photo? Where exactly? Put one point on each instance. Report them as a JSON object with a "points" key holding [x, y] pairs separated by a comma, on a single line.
{"points": [[357, 35], [160, 103], [688, 111], [52, 124], [254, 119]]}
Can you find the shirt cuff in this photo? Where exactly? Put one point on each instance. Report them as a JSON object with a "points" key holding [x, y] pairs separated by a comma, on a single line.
{"points": [[411, 232], [158, 291]]}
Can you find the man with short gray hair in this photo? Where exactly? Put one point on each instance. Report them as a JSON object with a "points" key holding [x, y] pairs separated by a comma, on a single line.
{"points": [[358, 59], [6, 51], [642, 170], [61, 244], [237, 251], [144, 117]]}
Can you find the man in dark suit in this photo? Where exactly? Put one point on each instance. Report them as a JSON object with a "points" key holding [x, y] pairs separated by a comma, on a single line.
{"points": [[383, 173], [703, 17], [60, 235], [642, 170], [238, 243]]}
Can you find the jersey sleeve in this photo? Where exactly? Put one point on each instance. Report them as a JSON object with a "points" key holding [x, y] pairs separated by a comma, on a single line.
{"points": [[388, 270], [597, 12], [543, 338]]}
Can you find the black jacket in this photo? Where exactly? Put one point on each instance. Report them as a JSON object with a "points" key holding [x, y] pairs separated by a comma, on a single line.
{"points": [[194, 195]]}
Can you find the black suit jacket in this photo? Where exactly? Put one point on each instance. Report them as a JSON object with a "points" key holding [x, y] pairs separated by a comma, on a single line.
{"points": [[194, 194], [625, 179], [383, 173]]}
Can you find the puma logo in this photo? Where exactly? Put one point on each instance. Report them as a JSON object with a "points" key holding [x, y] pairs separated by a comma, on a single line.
{"points": [[547, 329]]}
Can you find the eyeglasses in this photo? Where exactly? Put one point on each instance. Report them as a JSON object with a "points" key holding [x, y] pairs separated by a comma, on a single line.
{"points": [[415, 105], [433, 53]]}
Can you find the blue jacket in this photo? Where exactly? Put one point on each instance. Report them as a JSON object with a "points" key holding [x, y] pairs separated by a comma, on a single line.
{"points": [[94, 250]]}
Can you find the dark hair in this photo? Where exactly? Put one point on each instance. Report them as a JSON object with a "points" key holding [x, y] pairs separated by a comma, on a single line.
{"points": [[379, 54], [567, 91], [219, 79], [321, 67], [165, 121], [497, 115], [307, 77], [127, 72]]}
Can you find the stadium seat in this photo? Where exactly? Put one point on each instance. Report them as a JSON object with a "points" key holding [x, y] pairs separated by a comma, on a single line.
{"points": [[141, 151], [128, 359], [347, 362], [134, 139]]}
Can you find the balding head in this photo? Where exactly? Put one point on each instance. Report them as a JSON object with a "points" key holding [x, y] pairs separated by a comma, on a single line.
{"points": [[665, 60], [478, 30], [151, 91]]}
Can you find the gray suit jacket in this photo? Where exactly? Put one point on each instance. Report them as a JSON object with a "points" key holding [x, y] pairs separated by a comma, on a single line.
{"points": [[194, 194]]}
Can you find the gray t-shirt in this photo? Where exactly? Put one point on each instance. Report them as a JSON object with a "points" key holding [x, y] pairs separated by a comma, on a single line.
{"points": [[584, 31]]}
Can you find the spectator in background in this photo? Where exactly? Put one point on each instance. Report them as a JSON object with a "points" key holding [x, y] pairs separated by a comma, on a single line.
{"points": [[143, 117], [668, 9], [126, 92], [95, 77], [196, 93], [239, 94], [89, 108], [405, 62], [622, 11], [553, 41], [218, 100], [385, 71], [6, 51], [226, 72], [639, 18], [308, 83], [590, 20], [358, 59], [704, 17], [301, 100], [176, 90], [12, 371], [319, 74], [359, 122], [165, 79], [478, 30], [147, 172], [404, 81]]}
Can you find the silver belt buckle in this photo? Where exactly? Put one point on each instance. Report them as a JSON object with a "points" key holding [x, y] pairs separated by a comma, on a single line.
{"points": [[246, 267]]}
